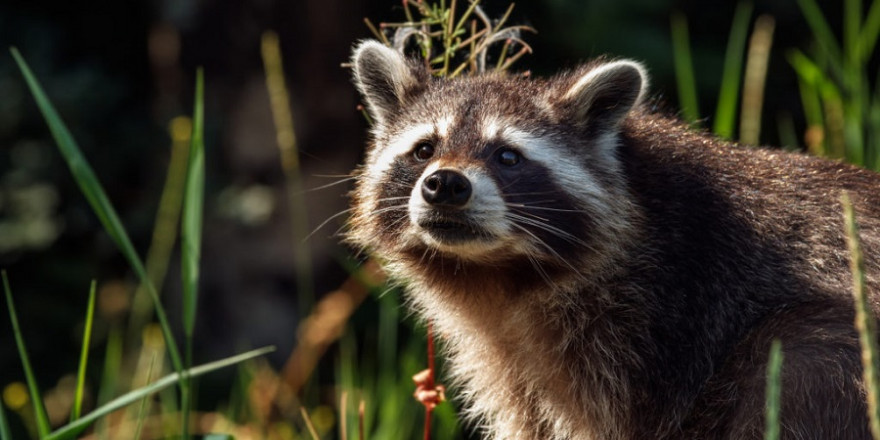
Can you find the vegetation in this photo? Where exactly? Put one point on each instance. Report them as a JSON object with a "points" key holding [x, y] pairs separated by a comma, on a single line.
{"points": [[379, 347]]}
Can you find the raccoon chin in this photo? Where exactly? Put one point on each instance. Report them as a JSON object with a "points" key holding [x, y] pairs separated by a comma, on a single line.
{"points": [[458, 239]]}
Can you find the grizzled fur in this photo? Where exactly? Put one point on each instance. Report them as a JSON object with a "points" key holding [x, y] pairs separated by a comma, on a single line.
{"points": [[613, 275]]}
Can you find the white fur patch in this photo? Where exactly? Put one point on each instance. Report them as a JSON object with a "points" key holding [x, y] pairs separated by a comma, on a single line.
{"points": [[607, 69], [565, 168], [491, 127], [485, 208], [392, 66], [383, 156], [442, 126]]}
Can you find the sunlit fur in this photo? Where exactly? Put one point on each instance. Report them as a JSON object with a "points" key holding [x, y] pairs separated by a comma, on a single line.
{"points": [[625, 278]]}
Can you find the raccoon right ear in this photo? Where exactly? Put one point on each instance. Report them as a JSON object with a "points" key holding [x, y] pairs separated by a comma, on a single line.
{"points": [[383, 77], [602, 96]]}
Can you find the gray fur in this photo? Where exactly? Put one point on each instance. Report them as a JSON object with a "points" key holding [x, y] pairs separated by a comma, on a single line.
{"points": [[645, 268]]}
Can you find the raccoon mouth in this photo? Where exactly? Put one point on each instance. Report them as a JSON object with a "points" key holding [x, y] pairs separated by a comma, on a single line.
{"points": [[453, 232]]}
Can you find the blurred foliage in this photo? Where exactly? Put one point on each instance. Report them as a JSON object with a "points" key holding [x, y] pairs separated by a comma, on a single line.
{"points": [[119, 73]]}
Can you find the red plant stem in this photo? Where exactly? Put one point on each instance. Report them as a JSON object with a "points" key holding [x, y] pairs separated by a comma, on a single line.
{"points": [[430, 384]]}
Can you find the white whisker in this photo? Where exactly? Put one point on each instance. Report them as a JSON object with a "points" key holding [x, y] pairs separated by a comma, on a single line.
{"points": [[324, 223], [331, 184], [546, 227]]}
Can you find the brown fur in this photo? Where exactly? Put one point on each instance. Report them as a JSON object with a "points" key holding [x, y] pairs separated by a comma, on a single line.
{"points": [[652, 312]]}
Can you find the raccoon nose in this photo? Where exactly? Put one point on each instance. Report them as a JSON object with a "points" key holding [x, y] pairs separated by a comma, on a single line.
{"points": [[446, 188]]}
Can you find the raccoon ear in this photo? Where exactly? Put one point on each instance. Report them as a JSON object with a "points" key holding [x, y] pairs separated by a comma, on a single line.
{"points": [[383, 77], [601, 97]]}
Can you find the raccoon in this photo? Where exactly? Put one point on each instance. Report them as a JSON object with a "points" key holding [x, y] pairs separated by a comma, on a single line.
{"points": [[601, 271]]}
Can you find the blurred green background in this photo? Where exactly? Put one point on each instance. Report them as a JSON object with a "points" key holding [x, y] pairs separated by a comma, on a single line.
{"points": [[121, 74]]}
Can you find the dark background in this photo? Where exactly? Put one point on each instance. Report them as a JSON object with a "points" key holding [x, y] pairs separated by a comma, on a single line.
{"points": [[119, 71]]}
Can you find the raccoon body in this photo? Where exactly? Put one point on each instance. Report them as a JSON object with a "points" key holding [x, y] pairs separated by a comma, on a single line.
{"points": [[598, 271]]}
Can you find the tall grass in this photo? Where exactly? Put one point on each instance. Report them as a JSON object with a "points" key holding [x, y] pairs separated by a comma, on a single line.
{"points": [[84, 356], [94, 193], [42, 419], [865, 321], [739, 87], [101, 205], [728, 94], [841, 102], [684, 69]]}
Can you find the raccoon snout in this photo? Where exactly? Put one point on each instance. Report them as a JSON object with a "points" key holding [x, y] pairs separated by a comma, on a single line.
{"points": [[446, 188]]}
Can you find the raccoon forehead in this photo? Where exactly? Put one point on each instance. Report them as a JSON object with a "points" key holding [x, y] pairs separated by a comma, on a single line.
{"points": [[474, 99]]}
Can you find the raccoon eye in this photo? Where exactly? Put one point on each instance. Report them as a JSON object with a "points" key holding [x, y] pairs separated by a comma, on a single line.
{"points": [[508, 157], [423, 151]]}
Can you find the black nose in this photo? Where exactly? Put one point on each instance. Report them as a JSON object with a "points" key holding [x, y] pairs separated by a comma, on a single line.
{"points": [[446, 188]]}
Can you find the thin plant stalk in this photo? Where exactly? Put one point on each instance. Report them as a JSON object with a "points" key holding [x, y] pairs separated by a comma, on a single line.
{"points": [[109, 376], [684, 68], [165, 227], [279, 99], [429, 409], [362, 429], [343, 416], [142, 409], [42, 419], [725, 112], [755, 78], [865, 320], [853, 67], [191, 221], [84, 356], [308, 421], [191, 238], [773, 392]]}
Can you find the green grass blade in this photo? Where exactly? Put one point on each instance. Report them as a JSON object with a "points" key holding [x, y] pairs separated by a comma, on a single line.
{"points": [[70, 430], [109, 375], [773, 391], [42, 419], [870, 31], [94, 193], [193, 201], [191, 237], [4, 425], [725, 112], [823, 34], [865, 323], [142, 410], [84, 356], [852, 22], [684, 68]]}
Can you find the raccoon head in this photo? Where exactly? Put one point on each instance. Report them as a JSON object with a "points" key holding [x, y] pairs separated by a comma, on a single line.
{"points": [[492, 168]]}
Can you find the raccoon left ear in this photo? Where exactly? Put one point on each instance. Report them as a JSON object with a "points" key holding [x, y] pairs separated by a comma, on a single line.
{"points": [[603, 96], [384, 78]]}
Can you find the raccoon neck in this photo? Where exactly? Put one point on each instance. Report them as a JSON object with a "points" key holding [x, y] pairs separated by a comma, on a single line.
{"points": [[532, 356], [539, 369]]}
